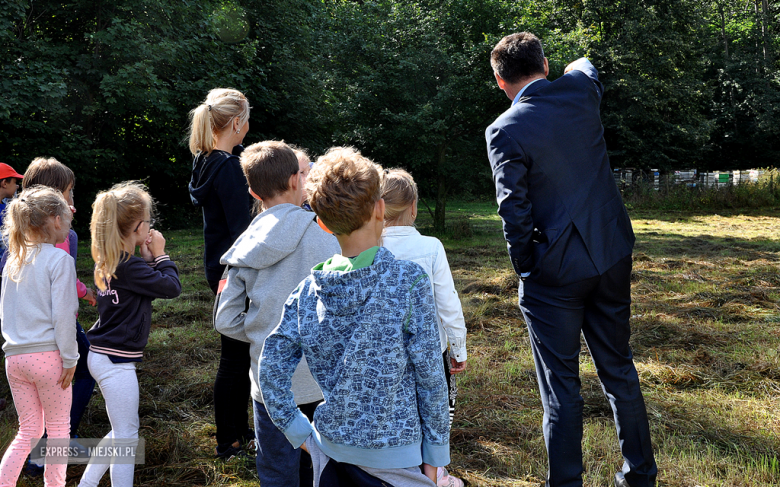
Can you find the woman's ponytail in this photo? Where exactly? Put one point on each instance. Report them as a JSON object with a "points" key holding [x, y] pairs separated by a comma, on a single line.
{"points": [[214, 115], [201, 130]]}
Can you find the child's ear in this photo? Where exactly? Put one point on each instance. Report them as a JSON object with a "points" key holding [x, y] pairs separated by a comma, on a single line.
{"points": [[255, 195], [295, 181], [379, 210]]}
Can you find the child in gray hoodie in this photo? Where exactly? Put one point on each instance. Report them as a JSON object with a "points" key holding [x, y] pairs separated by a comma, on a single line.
{"points": [[266, 263]]}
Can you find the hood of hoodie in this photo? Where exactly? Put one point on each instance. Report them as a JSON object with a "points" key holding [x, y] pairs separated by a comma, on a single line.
{"points": [[204, 168], [346, 293], [273, 235]]}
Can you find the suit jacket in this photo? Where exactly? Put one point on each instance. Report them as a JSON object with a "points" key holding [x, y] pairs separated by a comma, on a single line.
{"points": [[552, 173]]}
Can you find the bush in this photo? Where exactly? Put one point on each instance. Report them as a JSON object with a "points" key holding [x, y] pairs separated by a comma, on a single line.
{"points": [[765, 193]]}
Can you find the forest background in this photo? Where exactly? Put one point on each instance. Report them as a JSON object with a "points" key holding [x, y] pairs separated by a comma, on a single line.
{"points": [[106, 86]]}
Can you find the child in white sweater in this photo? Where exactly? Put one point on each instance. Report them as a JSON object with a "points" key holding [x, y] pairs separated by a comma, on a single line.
{"points": [[399, 192]]}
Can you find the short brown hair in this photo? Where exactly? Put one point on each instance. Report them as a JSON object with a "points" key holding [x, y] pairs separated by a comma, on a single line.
{"points": [[518, 56], [343, 189], [268, 166], [48, 172]]}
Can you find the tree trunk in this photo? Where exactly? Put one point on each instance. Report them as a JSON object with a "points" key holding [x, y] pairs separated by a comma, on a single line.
{"points": [[723, 31], [768, 54], [439, 222]]}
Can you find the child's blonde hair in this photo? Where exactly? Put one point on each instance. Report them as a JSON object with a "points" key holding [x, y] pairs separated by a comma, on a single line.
{"points": [[219, 109], [343, 188], [115, 214], [27, 224], [399, 192]]}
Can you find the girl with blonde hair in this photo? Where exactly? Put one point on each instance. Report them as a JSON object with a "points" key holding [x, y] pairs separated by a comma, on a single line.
{"points": [[122, 219], [219, 188], [400, 194], [38, 309]]}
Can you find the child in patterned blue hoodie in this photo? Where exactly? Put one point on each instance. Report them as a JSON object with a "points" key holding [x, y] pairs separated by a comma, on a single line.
{"points": [[366, 325]]}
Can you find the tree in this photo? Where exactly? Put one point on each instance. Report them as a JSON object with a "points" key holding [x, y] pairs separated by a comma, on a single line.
{"points": [[413, 87], [650, 60], [745, 76], [105, 87]]}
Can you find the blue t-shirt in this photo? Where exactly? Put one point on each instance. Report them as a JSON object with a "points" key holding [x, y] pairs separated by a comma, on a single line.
{"points": [[2, 240]]}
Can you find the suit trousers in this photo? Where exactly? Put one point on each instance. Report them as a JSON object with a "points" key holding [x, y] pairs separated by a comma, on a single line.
{"points": [[599, 308]]}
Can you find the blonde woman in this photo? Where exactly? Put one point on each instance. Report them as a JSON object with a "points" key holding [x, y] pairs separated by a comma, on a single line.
{"points": [[122, 221], [219, 187], [400, 194]]}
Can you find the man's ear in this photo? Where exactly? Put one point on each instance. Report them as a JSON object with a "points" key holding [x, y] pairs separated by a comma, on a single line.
{"points": [[501, 82], [546, 68]]}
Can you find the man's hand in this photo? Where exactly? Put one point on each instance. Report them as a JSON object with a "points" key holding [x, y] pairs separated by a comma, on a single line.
{"points": [[67, 377], [457, 367]]}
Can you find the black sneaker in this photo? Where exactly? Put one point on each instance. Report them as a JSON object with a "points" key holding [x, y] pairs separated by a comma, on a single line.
{"points": [[33, 469], [248, 441], [228, 452]]}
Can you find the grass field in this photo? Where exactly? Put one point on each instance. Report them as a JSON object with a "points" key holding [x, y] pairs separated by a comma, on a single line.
{"points": [[706, 338]]}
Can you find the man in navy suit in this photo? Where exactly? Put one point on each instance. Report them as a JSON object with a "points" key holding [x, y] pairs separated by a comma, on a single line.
{"points": [[570, 241]]}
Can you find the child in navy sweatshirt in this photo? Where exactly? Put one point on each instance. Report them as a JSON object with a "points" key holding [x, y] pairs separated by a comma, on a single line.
{"points": [[121, 221]]}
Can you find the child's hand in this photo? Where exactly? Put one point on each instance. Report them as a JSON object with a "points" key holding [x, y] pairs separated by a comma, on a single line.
{"points": [[156, 243], [457, 367], [429, 471], [67, 377], [90, 297], [303, 446], [146, 254]]}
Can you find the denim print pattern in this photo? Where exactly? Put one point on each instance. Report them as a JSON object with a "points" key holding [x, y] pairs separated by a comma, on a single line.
{"points": [[371, 341]]}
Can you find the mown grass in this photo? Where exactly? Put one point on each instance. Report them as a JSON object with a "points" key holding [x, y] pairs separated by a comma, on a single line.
{"points": [[706, 338]]}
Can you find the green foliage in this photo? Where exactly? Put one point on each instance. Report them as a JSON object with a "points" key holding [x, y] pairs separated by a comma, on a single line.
{"points": [[763, 194], [649, 58], [106, 86]]}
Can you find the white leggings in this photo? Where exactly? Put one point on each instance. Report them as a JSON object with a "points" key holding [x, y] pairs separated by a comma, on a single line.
{"points": [[119, 386]]}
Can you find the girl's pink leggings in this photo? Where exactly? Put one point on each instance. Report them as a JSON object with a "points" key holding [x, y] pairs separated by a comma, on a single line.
{"points": [[39, 402]]}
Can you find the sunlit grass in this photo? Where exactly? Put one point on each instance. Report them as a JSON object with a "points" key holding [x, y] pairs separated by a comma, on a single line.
{"points": [[705, 335]]}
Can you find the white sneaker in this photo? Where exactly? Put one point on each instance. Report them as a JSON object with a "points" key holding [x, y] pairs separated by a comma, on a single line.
{"points": [[444, 479]]}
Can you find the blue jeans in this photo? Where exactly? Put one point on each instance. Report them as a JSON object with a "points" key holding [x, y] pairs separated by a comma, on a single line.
{"points": [[599, 309], [278, 463], [83, 383]]}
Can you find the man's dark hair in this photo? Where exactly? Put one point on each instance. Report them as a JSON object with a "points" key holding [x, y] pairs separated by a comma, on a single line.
{"points": [[518, 56]]}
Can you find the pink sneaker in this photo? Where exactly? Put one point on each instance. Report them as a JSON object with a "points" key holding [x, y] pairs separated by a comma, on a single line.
{"points": [[444, 479]]}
